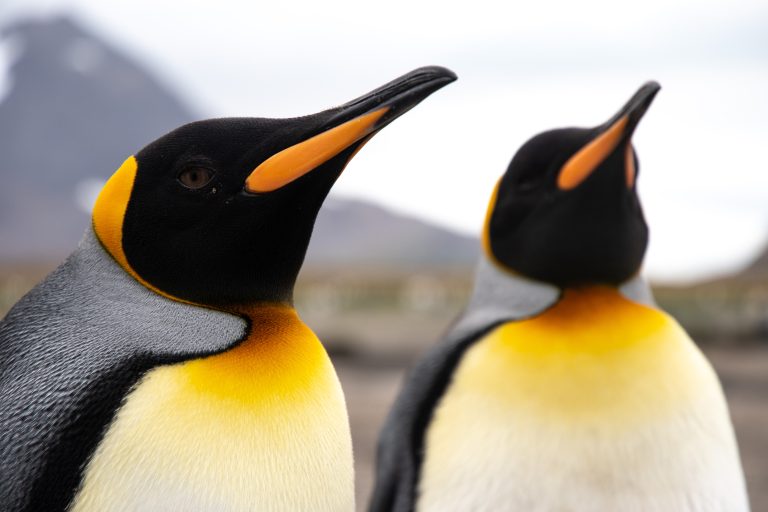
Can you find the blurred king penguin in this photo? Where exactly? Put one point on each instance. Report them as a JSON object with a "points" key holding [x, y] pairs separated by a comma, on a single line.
{"points": [[162, 367], [563, 387]]}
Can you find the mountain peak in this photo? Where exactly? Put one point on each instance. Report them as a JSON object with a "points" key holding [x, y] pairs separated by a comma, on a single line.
{"points": [[76, 108]]}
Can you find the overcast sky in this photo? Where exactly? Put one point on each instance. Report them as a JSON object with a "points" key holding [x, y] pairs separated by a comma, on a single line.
{"points": [[523, 67]]}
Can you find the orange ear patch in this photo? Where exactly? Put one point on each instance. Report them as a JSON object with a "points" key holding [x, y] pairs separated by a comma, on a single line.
{"points": [[485, 239], [580, 166], [296, 161], [109, 211], [109, 214]]}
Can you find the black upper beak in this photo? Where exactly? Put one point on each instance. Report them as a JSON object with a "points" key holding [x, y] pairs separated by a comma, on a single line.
{"points": [[347, 126], [634, 109], [398, 96]]}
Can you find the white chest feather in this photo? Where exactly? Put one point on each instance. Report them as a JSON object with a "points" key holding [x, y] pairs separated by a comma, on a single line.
{"points": [[597, 405], [262, 427]]}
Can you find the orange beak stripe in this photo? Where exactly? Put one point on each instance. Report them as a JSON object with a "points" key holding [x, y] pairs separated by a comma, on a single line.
{"points": [[580, 166], [297, 160], [629, 167]]}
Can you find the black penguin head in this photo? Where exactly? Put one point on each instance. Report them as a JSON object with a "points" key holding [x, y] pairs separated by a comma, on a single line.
{"points": [[220, 212], [566, 211]]}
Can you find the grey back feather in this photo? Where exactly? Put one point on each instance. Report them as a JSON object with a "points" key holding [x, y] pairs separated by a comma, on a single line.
{"points": [[70, 350]]}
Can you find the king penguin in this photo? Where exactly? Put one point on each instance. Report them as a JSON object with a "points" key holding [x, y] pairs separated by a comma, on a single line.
{"points": [[162, 367], [562, 387]]}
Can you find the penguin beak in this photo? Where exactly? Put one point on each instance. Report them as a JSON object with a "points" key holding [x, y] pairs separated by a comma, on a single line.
{"points": [[613, 135], [352, 123]]}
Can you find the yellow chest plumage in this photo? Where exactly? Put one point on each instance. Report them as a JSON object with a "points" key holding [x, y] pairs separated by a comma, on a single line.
{"points": [[593, 356], [597, 404], [261, 427]]}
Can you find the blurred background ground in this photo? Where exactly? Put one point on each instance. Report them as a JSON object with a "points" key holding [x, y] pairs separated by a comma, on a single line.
{"points": [[379, 285]]}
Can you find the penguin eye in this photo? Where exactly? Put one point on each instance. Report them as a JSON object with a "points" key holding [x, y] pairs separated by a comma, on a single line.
{"points": [[195, 177], [528, 184]]}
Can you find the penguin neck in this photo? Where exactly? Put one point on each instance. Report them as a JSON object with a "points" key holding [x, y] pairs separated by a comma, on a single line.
{"points": [[271, 321], [265, 310], [502, 295], [581, 304], [279, 355], [498, 289]]}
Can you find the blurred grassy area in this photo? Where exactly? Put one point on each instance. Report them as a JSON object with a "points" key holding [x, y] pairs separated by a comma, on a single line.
{"points": [[377, 324], [727, 311]]}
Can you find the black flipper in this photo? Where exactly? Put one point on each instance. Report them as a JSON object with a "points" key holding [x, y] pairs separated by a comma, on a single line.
{"points": [[400, 449]]}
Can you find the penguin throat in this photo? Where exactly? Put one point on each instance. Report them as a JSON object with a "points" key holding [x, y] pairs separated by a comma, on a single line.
{"points": [[279, 357], [596, 316], [585, 302]]}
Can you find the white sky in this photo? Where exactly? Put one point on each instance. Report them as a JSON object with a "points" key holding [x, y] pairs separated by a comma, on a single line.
{"points": [[523, 67]]}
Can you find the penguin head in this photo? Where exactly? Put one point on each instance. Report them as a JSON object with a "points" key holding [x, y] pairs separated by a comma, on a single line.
{"points": [[220, 212], [566, 211]]}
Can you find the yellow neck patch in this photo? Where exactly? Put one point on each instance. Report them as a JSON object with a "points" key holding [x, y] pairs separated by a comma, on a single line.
{"points": [[593, 353], [279, 358]]}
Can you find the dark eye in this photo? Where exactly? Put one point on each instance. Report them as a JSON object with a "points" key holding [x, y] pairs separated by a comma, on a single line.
{"points": [[195, 177], [528, 184]]}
